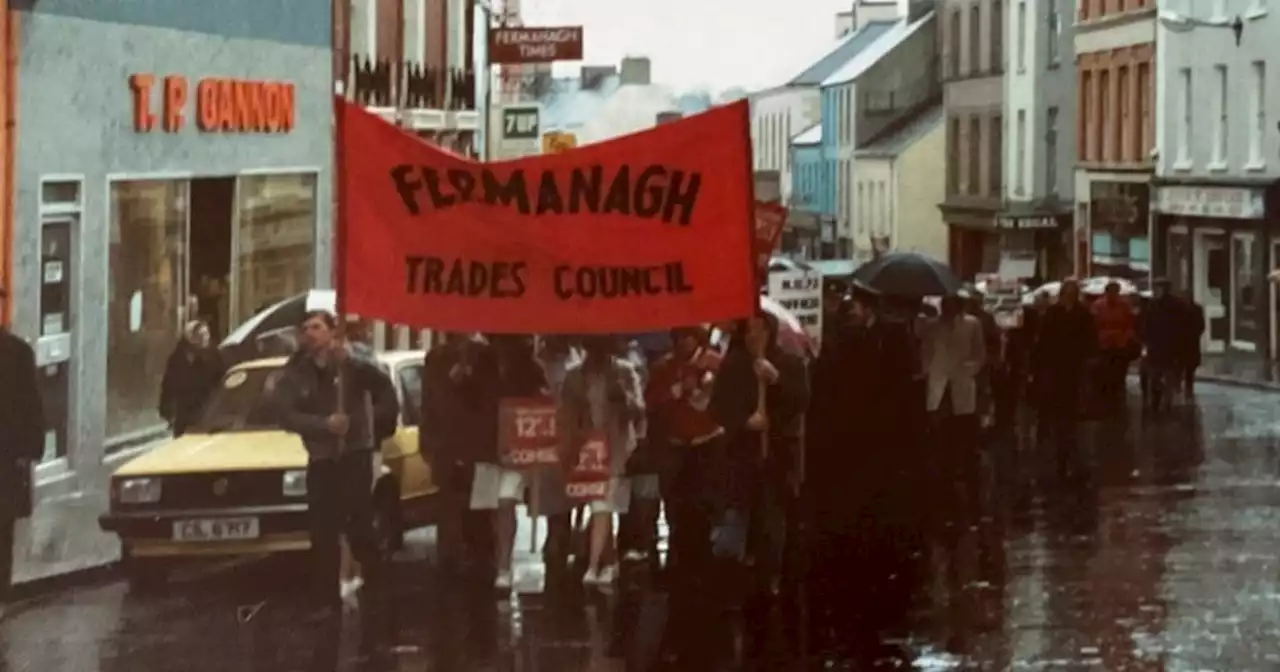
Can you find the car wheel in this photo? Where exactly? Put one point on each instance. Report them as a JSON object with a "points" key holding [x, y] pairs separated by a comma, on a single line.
{"points": [[387, 530]]}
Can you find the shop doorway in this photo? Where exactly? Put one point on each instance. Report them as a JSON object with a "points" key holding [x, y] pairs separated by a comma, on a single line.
{"points": [[1244, 308], [1213, 287], [210, 236]]}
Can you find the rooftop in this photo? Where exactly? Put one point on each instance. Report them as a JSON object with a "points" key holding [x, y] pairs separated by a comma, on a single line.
{"points": [[848, 47], [893, 144], [809, 136], [876, 49]]}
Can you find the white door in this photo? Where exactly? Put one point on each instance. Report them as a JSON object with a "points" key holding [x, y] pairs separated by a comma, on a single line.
{"points": [[1244, 320], [1213, 286]]}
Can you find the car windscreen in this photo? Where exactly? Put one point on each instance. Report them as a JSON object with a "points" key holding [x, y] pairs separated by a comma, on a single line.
{"points": [[241, 402]]}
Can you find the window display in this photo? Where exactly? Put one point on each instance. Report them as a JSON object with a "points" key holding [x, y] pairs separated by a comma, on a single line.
{"points": [[144, 298], [275, 247]]}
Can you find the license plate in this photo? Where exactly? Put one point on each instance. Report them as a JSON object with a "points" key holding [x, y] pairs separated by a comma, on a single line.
{"points": [[215, 529]]}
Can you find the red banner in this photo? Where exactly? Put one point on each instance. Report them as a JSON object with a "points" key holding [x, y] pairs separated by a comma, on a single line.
{"points": [[589, 479], [770, 219], [641, 233], [527, 434]]}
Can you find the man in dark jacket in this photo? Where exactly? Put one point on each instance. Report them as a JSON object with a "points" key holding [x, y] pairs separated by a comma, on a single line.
{"points": [[1066, 340], [21, 442], [343, 406], [460, 392]]}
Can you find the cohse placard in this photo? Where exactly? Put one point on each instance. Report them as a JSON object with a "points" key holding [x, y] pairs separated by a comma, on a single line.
{"points": [[527, 434], [511, 46]]}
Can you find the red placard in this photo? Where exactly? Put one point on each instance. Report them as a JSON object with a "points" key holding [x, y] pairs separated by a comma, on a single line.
{"points": [[589, 479], [527, 432], [637, 234]]}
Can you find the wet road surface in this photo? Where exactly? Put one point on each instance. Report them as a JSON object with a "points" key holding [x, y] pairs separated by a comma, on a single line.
{"points": [[1151, 546]]}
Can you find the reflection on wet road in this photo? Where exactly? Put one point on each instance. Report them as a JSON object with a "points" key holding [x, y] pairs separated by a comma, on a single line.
{"points": [[1150, 546]]}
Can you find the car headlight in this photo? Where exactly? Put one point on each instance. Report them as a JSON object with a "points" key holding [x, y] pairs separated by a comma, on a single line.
{"points": [[294, 483], [138, 490]]}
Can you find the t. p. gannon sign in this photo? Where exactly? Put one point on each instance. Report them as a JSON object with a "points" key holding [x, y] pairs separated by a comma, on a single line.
{"points": [[512, 46]]}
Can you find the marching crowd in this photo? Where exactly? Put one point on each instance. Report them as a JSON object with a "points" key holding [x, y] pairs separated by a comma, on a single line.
{"points": [[767, 464]]}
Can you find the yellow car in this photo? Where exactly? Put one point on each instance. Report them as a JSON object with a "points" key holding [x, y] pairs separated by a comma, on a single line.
{"points": [[236, 484]]}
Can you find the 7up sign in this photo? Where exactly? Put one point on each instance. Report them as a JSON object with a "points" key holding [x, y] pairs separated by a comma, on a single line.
{"points": [[520, 123]]}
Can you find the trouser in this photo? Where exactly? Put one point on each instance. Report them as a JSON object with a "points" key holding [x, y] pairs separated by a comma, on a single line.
{"points": [[1059, 402], [340, 501], [462, 599], [1113, 364], [6, 553]]}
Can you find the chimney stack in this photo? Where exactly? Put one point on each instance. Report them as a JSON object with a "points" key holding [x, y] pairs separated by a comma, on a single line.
{"points": [[635, 70]]}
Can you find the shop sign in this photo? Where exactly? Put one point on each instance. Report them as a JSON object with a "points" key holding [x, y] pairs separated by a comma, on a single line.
{"points": [[222, 105], [513, 45], [1035, 223], [520, 123], [1225, 202], [556, 142]]}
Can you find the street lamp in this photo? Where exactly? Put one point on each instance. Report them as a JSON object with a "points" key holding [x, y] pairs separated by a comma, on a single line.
{"points": [[1181, 23]]}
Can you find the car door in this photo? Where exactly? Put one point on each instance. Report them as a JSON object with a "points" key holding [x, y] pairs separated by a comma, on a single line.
{"points": [[403, 456]]}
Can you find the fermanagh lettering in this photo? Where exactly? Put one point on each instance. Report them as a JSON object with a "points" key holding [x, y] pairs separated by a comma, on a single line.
{"points": [[648, 192]]}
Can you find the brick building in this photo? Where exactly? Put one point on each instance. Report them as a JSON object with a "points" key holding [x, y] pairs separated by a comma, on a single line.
{"points": [[1115, 135]]}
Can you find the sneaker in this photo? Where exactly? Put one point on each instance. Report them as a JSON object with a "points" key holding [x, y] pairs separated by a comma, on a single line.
{"points": [[503, 581], [591, 578], [607, 575], [348, 591]]}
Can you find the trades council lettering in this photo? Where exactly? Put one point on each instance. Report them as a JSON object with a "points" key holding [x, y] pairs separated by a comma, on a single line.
{"points": [[509, 279]]}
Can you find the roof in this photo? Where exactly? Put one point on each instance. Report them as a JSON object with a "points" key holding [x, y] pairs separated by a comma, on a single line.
{"points": [[809, 136], [876, 49], [896, 142], [848, 47]]}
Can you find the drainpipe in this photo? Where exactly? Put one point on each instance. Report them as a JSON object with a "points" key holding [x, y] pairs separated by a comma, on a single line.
{"points": [[8, 89]]}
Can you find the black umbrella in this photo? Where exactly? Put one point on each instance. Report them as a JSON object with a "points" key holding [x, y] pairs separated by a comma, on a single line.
{"points": [[908, 274]]}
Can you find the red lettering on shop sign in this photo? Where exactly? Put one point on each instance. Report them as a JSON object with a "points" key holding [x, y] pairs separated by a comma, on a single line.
{"points": [[222, 105], [140, 86], [240, 106]]}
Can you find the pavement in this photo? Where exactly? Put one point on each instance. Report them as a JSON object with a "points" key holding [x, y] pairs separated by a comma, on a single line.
{"points": [[1152, 545]]}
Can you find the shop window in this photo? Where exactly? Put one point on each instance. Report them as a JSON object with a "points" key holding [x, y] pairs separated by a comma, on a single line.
{"points": [[276, 242], [145, 299]]}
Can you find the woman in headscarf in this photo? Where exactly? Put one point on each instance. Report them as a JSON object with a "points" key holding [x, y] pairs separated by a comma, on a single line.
{"points": [[193, 371]]}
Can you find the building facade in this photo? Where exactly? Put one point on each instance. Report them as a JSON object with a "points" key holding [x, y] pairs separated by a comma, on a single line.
{"points": [[1215, 203], [777, 115], [1115, 136], [861, 98], [809, 181], [412, 63], [971, 43], [899, 176], [179, 169], [1035, 226]]}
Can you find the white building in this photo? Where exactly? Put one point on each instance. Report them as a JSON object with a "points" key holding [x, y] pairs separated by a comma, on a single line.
{"points": [[890, 78], [777, 115], [780, 113], [1218, 160], [1039, 115]]}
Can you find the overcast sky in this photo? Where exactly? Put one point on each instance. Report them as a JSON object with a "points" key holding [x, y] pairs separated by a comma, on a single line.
{"points": [[714, 44]]}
